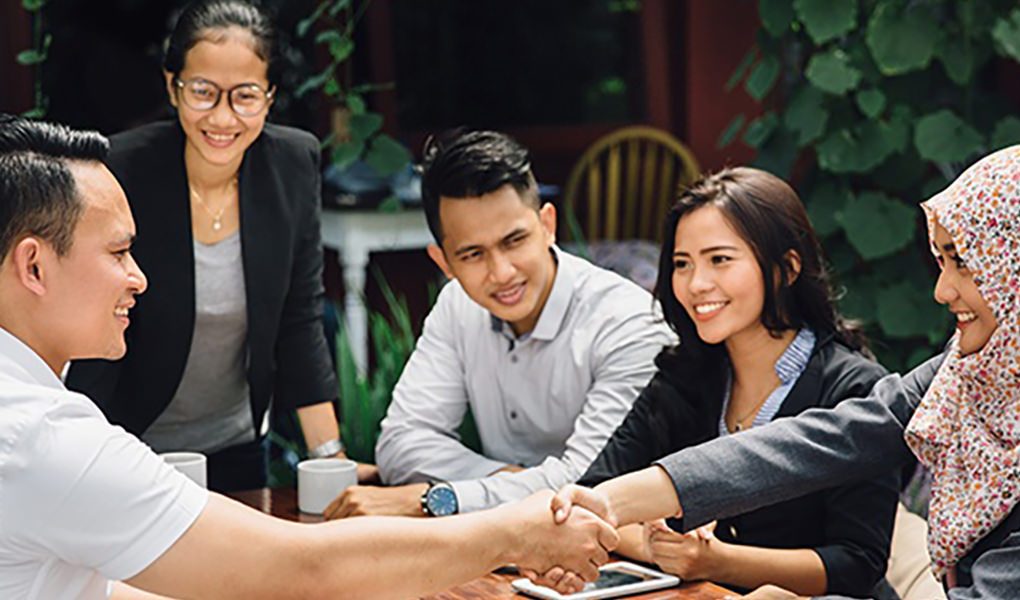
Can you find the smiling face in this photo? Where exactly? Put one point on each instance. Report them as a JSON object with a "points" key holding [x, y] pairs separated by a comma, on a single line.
{"points": [[956, 289], [716, 278], [219, 136], [498, 247]]}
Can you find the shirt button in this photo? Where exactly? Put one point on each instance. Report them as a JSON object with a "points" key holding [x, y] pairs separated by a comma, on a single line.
{"points": [[513, 359], [513, 414], [733, 531]]}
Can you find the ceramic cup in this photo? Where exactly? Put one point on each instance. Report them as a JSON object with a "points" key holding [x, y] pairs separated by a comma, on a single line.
{"points": [[192, 464], [320, 480]]}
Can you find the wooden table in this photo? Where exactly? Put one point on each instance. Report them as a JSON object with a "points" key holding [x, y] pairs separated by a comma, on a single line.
{"points": [[282, 503]]}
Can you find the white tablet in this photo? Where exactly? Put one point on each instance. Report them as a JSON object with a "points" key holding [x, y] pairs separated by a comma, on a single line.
{"points": [[615, 579]]}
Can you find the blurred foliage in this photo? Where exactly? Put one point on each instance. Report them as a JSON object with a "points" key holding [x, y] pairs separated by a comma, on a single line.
{"points": [[360, 136], [878, 104], [35, 57]]}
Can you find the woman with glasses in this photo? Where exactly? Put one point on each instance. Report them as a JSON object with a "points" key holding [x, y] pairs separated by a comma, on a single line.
{"points": [[226, 208]]}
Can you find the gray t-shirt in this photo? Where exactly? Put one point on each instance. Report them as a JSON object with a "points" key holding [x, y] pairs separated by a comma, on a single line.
{"points": [[211, 409]]}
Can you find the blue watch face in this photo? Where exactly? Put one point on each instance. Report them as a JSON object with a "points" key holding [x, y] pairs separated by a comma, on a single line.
{"points": [[442, 501]]}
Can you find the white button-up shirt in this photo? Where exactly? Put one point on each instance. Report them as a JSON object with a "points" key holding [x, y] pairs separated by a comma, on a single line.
{"points": [[547, 401], [81, 502]]}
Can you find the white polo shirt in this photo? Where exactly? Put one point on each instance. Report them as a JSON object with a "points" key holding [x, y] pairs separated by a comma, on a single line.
{"points": [[81, 502]]}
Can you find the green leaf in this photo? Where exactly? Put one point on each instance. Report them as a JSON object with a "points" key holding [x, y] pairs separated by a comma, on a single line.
{"points": [[314, 82], [47, 41], [338, 6], [34, 113], [731, 131], [30, 57], [901, 40], [33, 5], [390, 204], [340, 46], [363, 125], [832, 72], [1006, 133], [1006, 34], [777, 154], [943, 137], [763, 77], [957, 57], [825, 20], [857, 150], [775, 16], [332, 87], [806, 115], [305, 24], [760, 129], [355, 103], [877, 225], [741, 70], [905, 311], [348, 152], [871, 102], [825, 203], [387, 155]]}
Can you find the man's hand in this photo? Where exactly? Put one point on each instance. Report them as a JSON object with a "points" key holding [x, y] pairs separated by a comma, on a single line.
{"points": [[363, 500], [691, 556], [575, 495], [581, 544]]}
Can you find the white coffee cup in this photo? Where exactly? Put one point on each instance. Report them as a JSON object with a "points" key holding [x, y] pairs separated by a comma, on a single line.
{"points": [[192, 464], [320, 480]]}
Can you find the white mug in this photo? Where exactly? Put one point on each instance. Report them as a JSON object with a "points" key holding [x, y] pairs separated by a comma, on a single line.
{"points": [[320, 480], [192, 464]]}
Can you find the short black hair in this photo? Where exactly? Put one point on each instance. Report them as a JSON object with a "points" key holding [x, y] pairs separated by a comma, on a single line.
{"points": [[461, 163], [38, 193], [199, 20]]}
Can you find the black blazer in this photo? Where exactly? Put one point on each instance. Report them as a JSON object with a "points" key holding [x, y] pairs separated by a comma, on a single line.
{"points": [[287, 358], [849, 526]]}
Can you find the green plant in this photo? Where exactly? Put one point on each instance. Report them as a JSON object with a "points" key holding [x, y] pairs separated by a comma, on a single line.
{"points": [[879, 104], [358, 135], [35, 57]]}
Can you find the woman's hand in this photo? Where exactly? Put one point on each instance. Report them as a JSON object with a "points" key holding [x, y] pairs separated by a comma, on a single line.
{"points": [[368, 474], [768, 592], [691, 556]]}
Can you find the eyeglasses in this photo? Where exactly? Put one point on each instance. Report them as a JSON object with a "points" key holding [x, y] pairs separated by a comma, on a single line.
{"points": [[247, 99]]}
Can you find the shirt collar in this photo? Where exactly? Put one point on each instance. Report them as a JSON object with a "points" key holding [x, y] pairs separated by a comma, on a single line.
{"points": [[555, 309], [21, 356], [796, 356]]}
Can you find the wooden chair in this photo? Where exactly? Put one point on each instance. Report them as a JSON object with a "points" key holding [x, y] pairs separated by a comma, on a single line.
{"points": [[623, 184]]}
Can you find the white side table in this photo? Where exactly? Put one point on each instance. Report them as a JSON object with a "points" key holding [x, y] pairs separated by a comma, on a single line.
{"points": [[355, 234]]}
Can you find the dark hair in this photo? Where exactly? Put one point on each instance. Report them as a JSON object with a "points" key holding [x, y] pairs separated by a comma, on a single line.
{"points": [[459, 163], [768, 215], [204, 19], [38, 194]]}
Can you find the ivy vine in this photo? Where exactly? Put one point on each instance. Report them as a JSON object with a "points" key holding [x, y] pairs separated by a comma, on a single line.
{"points": [[876, 105], [35, 57]]}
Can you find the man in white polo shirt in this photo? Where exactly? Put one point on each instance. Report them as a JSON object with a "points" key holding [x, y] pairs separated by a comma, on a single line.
{"points": [[83, 503], [548, 350]]}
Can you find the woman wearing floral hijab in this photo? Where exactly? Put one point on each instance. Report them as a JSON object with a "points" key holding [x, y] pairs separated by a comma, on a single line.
{"points": [[959, 412]]}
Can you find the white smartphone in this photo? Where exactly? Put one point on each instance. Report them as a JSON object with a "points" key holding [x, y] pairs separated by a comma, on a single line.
{"points": [[615, 579]]}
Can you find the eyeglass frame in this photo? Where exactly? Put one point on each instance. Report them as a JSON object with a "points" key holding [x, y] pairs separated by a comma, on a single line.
{"points": [[269, 94]]}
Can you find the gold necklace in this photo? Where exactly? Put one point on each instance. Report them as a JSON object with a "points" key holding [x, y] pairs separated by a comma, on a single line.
{"points": [[217, 217], [737, 424]]}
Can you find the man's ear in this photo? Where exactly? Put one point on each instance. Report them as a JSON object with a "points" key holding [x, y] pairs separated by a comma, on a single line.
{"points": [[794, 264], [26, 259], [170, 88], [547, 216], [438, 257]]}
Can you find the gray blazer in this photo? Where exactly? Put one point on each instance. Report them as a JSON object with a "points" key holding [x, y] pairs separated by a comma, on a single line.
{"points": [[819, 448]]}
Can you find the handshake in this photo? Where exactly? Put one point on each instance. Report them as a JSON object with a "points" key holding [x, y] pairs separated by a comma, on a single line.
{"points": [[564, 538]]}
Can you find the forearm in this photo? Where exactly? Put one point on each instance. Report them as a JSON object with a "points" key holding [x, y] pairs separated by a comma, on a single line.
{"points": [[318, 424], [644, 495], [798, 570], [632, 543], [122, 591]]}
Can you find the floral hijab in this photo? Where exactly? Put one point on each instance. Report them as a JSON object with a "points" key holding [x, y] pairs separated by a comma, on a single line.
{"points": [[967, 427]]}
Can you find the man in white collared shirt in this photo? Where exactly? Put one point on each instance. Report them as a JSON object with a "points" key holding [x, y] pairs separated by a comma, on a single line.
{"points": [[83, 503], [547, 350]]}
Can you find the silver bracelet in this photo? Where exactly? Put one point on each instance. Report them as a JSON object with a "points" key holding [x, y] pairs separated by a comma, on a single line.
{"points": [[327, 449]]}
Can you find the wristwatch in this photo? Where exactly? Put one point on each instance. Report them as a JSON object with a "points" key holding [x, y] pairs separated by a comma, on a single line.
{"points": [[439, 500], [327, 449]]}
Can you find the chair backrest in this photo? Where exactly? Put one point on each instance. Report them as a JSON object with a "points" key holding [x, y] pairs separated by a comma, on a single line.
{"points": [[623, 184]]}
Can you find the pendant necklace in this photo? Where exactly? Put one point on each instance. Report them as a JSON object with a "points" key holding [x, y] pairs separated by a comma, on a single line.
{"points": [[217, 217]]}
